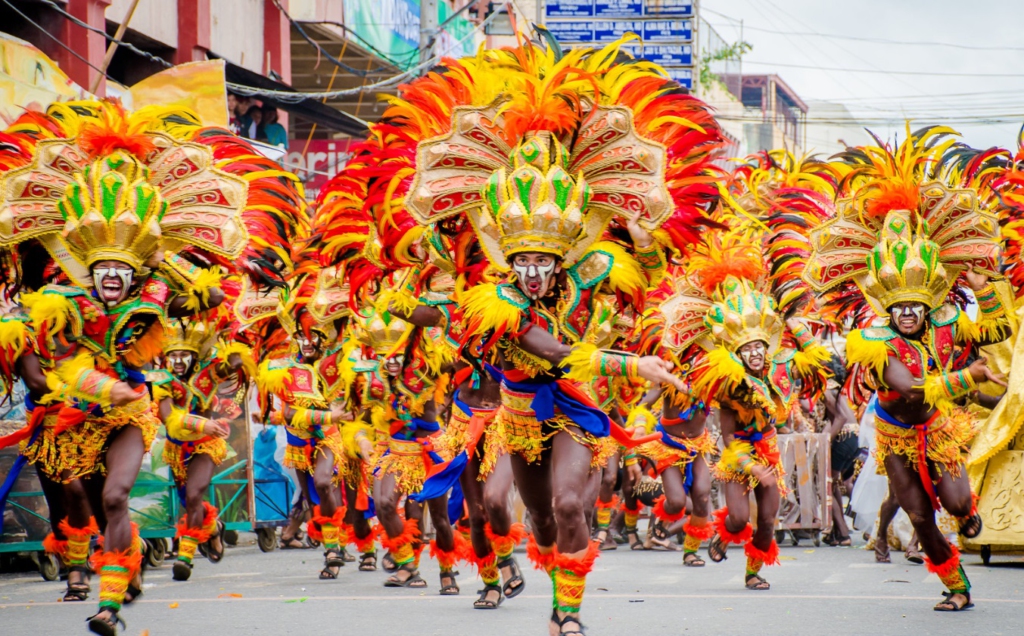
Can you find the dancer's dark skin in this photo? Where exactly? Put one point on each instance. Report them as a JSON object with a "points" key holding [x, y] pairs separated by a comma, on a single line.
{"points": [[552, 489], [386, 495], [909, 407], [310, 351], [486, 501], [766, 493]]}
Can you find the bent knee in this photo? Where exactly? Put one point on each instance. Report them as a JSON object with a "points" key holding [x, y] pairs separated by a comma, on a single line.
{"points": [[568, 507]]}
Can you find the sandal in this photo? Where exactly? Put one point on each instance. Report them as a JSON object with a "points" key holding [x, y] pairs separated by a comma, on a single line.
{"points": [[485, 603], [757, 582], [717, 549], [181, 571], [635, 543], [451, 589], [332, 563], [949, 605], [368, 562], [388, 563], [293, 543], [562, 622], [77, 591], [105, 626], [215, 556], [515, 584], [971, 527], [346, 557], [414, 580], [134, 591], [914, 557], [693, 560]]}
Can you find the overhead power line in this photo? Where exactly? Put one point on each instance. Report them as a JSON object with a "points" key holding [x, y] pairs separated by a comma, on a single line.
{"points": [[121, 43], [855, 38], [884, 72]]}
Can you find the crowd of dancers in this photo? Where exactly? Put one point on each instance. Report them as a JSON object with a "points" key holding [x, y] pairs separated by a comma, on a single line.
{"points": [[537, 272]]}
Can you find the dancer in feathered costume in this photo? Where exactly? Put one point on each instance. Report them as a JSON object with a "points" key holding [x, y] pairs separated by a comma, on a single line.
{"points": [[725, 308], [907, 240], [540, 192], [122, 201], [308, 387], [198, 423], [680, 455]]}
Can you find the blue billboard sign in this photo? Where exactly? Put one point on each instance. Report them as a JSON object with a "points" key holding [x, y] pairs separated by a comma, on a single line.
{"points": [[569, 8], [669, 8], [665, 54], [618, 8], [668, 31]]}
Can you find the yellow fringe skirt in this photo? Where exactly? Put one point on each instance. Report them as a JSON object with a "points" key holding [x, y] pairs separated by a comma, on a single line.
{"points": [[528, 437], [456, 438], [945, 441], [403, 459], [82, 446], [606, 449], [177, 454], [665, 456], [301, 453], [727, 468], [44, 452]]}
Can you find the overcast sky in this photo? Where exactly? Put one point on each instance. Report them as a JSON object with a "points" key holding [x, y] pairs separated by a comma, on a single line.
{"points": [[930, 83]]}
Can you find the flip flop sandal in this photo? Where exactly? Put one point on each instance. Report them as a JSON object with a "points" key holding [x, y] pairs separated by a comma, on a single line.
{"points": [[388, 563], [694, 561], [368, 562], [485, 603], [948, 605], [77, 591], [181, 571], [756, 582], [508, 589], [216, 556], [971, 527], [568, 618], [105, 626], [414, 581], [452, 589], [717, 549]]}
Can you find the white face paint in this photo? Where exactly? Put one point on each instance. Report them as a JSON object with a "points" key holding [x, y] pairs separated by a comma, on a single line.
{"points": [[181, 362], [534, 278], [394, 364], [308, 347], [112, 281], [752, 355], [908, 318]]}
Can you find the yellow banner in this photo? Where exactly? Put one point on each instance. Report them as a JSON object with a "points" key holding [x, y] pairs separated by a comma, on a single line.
{"points": [[29, 80], [195, 85]]}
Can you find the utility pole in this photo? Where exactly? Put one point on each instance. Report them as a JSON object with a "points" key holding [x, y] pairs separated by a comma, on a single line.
{"points": [[428, 29]]}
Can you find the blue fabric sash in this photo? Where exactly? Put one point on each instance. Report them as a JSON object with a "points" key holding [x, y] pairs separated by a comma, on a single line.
{"points": [[548, 394]]}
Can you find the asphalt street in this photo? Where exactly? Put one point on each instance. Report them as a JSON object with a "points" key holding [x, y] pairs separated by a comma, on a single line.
{"points": [[820, 591]]}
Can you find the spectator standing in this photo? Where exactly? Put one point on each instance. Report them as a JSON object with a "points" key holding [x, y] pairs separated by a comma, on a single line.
{"points": [[270, 130]]}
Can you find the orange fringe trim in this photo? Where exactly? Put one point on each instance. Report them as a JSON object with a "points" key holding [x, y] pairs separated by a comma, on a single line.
{"points": [[579, 565], [517, 532], [90, 530], [337, 520], [662, 514], [55, 546], [367, 543], [200, 535], [410, 533], [461, 551], [730, 537], [611, 504], [540, 560], [703, 532], [946, 568], [482, 562], [626, 508], [130, 559], [766, 557]]}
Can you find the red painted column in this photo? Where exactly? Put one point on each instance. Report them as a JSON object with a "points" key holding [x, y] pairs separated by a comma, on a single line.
{"points": [[92, 46], [277, 40], [193, 31]]}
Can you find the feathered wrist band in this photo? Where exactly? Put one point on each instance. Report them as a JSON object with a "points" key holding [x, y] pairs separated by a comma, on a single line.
{"points": [[193, 423], [615, 364], [311, 418]]}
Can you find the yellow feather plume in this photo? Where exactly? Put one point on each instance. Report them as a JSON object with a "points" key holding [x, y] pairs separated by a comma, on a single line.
{"points": [[484, 311], [871, 354], [578, 364], [50, 311]]}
